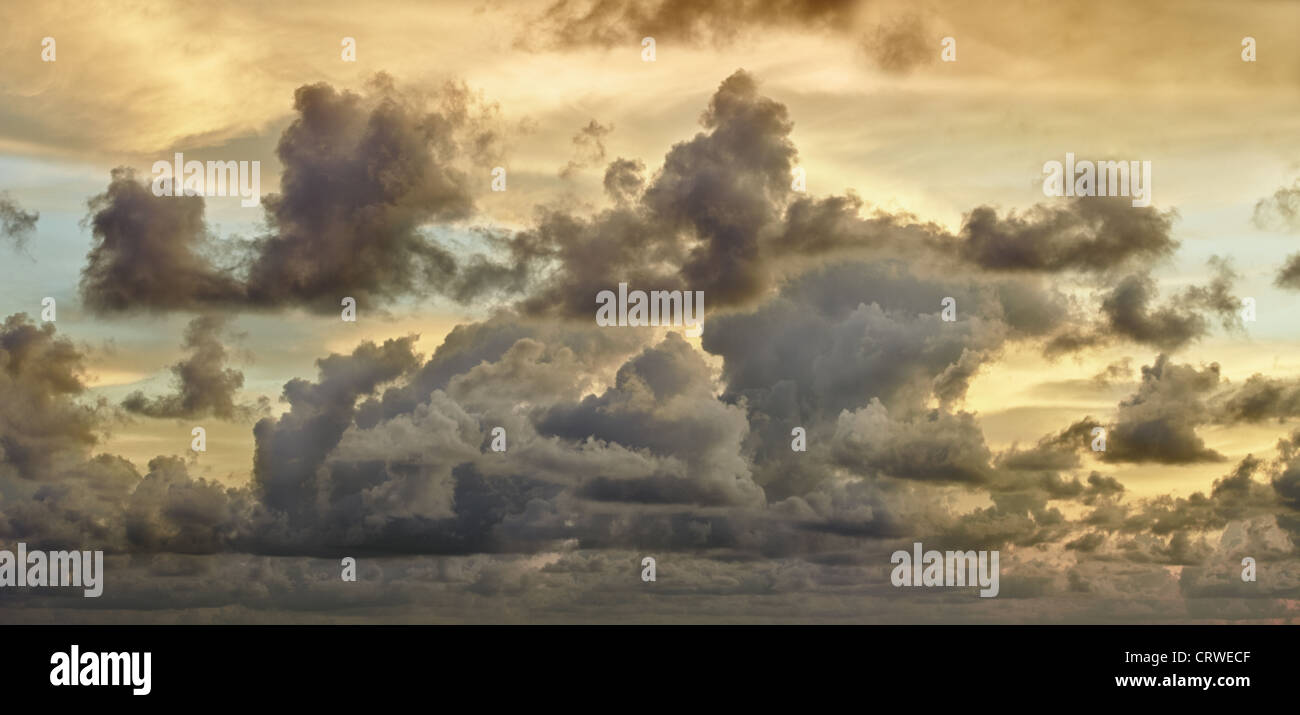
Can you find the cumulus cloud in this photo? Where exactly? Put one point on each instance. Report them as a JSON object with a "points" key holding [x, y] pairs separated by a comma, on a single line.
{"points": [[363, 175], [152, 252], [40, 373], [1086, 234], [826, 316], [290, 449], [204, 385], [1131, 312], [1160, 422], [58, 493]]}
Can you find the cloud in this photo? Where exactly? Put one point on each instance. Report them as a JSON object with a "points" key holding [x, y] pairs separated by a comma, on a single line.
{"points": [[718, 216], [40, 424], [204, 385], [900, 45], [1130, 313], [662, 401], [58, 494], [1235, 497], [673, 235], [655, 461], [152, 252], [362, 176], [607, 23], [16, 224], [933, 447], [1121, 371], [1279, 212], [588, 147], [1086, 234], [1289, 275], [623, 179], [1051, 453], [290, 450], [826, 314], [1160, 421]]}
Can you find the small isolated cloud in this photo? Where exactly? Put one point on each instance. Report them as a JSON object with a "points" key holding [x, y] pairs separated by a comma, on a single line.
{"points": [[16, 225], [204, 385], [1279, 212]]}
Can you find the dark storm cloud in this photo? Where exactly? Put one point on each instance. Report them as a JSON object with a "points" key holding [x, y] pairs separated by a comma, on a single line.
{"points": [[741, 163], [289, 450], [1287, 480], [622, 440], [607, 23], [853, 353], [205, 386], [57, 494], [744, 163], [413, 472], [40, 424], [720, 216], [170, 511], [16, 224], [1129, 311], [363, 174], [151, 252], [821, 226]]}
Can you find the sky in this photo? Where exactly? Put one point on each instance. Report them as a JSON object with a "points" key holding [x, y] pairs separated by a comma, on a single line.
{"points": [[827, 174]]}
